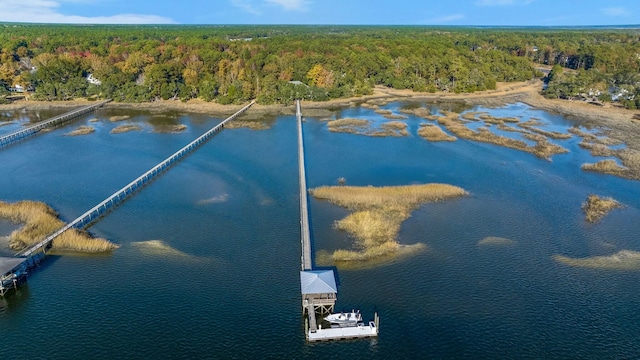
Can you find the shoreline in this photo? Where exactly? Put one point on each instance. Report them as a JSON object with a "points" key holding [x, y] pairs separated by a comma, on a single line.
{"points": [[618, 122]]}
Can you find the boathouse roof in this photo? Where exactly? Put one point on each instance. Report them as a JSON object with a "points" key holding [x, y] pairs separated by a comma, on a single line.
{"points": [[318, 282], [8, 264]]}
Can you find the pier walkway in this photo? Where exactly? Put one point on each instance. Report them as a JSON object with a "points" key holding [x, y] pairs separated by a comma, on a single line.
{"points": [[119, 196], [56, 120], [305, 238]]}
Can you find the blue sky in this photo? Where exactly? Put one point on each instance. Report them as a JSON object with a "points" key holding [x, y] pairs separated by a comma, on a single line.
{"points": [[359, 12]]}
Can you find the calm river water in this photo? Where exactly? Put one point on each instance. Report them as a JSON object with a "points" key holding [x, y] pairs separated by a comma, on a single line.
{"points": [[228, 286]]}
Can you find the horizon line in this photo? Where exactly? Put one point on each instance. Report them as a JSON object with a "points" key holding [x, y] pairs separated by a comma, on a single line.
{"points": [[610, 26]]}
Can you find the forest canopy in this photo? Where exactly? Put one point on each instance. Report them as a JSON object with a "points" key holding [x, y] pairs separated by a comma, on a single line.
{"points": [[276, 64]]}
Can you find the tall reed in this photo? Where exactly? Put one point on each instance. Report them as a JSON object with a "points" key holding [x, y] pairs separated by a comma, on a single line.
{"points": [[596, 207], [39, 221]]}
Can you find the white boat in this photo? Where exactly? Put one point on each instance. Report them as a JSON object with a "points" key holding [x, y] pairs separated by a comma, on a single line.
{"points": [[351, 318]]}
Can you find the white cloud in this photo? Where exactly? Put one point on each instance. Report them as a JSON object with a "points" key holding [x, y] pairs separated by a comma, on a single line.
{"points": [[290, 5], [503, 2], [616, 11], [46, 11], [246, 6]]}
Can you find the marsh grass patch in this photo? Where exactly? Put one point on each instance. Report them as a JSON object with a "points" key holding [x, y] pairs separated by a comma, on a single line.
{"points": [[117, 118], [434, 133], [377, 213], [247, 124], [81, 130], [170, 129], [39, 221], [364, 127], [125, 128], [596, 207]]}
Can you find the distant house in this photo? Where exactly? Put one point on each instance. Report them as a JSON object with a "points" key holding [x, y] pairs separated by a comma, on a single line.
{"points": [[618, 94], [17, 88], [92, 80]]}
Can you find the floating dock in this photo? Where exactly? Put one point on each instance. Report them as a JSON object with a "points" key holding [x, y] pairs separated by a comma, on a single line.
{"points": [[360, 331]]}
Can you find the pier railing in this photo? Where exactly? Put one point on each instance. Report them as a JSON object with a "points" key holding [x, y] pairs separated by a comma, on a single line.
{"points": [[305, 236], [119, 196], [56, 120]]}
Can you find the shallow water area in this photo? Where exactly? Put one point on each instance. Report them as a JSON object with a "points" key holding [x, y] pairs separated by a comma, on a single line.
{"points": [[11, 121], [218, 272]]}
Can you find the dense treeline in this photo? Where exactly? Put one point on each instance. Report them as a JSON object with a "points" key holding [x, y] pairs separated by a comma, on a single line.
{"points": [[233, 64]]}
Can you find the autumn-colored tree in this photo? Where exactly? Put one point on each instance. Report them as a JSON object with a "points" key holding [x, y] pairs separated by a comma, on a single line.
{"points": [[320, 77]]}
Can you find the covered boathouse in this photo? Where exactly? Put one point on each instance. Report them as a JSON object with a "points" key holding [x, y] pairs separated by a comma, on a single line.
{"points": [[319, 290], [13, 271]]}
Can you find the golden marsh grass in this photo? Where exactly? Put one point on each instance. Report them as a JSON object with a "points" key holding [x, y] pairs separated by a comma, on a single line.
{"points": [[549, 134], [119, 118], [607, 166], [597, 149], [508, 128], [585, 135], [421, 112], [622, 260], [472, 115], [363, 127], [125, 128], [81, 130], [434, 133], [74, 240], [497, 120], [348, 125], [246, 124], [543, 148], [170, 129], [369, 106], [392, 128], [378, 213], [325, 258], [39, 221], [596, 207]]}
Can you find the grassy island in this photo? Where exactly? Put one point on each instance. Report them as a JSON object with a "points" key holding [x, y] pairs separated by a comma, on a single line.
{"points": [[378, 213], [596, 207], [434, 133], [39, 221], [455, 123], [170, 129], [125, 128], [82, 130], [364, 127]]}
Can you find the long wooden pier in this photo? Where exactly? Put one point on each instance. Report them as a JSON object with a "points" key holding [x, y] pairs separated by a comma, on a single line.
{"points": [[305, 237], [119, 196], [56, 120], [318, 287]]}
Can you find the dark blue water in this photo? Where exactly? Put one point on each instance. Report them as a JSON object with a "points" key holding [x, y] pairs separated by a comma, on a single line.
{"points": [[231, 209]]}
